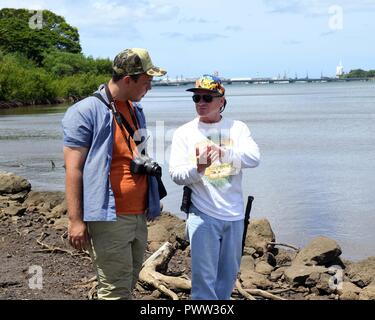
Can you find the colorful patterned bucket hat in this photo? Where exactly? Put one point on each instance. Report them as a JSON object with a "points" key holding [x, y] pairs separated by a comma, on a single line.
{"points": [[209, 83]]}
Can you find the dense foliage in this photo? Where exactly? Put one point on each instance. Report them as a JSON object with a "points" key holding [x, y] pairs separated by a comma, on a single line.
{"points": [[41, 65], [359, 73], [32, 33]]}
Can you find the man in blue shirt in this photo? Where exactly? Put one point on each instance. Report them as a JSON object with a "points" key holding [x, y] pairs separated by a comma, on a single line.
{"points": [[101, 135]]}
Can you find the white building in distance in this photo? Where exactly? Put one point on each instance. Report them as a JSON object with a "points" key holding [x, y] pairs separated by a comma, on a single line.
{"points": [[339, 70]]}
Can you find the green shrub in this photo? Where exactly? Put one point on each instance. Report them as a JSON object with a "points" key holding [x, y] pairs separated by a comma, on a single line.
{"points": [[46, 63], [22, 81], [79, 85], [62, 64]]}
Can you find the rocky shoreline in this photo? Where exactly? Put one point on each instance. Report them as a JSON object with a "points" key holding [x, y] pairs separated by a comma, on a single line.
{"points": [[33, 233]]}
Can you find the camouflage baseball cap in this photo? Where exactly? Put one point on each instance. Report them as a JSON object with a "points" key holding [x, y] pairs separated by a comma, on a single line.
{"points": [[209, 83], [135, 61]]}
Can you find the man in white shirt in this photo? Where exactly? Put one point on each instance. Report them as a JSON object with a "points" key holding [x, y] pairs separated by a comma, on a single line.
{"points": [[208, 155]]}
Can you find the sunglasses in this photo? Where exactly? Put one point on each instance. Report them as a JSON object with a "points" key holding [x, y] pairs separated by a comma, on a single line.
{"points": [[206, 98]]}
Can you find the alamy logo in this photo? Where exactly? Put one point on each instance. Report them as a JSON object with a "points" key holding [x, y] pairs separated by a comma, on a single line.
{"points": [[336, 280], [36, 21], [36, 279], [336, 21]]}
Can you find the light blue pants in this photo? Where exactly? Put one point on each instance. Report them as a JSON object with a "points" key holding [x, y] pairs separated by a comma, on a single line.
{"points": [[216, 247]]}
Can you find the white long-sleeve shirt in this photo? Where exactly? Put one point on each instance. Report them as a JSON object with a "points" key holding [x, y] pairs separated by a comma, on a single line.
{"points": [[218, 190]]}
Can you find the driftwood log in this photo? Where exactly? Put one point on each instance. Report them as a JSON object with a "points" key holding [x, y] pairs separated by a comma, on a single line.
{"points": [[158, 262], [151, 274], [250, 293]]}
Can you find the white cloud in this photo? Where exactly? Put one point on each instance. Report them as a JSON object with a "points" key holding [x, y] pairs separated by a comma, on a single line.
{"points": [[234, 28], [24, 4], [194, 20], [205, 37], [172, 35], [116, 11], [196, 37], [102, 12], [292, 42], [317, 7]]}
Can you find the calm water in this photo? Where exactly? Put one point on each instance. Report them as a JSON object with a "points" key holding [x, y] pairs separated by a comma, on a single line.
{"points": [[317, 174]]}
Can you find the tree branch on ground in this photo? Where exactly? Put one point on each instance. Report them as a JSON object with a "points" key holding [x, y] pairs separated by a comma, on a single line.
{"points": [[284, 245], [158, 261]]}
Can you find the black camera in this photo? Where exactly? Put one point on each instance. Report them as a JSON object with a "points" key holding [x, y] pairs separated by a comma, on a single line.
{"points": [[145, 165]]}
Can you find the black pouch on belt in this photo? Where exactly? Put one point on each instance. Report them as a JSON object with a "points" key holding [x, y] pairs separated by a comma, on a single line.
{"points": [[186, 200]]}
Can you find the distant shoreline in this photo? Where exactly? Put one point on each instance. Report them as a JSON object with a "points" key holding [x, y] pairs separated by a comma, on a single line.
{"points": [[49, 102], [265, 80], [19, 104]]}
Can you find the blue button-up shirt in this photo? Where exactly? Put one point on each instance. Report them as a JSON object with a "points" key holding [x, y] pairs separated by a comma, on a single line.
{"points": [[89, 124]]}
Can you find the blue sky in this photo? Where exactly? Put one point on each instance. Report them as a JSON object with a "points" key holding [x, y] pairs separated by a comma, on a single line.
{"points": [[238, 38]]}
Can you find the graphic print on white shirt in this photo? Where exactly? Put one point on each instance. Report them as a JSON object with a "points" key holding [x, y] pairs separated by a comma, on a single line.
{"points": [[219, 173], [217, 192]]}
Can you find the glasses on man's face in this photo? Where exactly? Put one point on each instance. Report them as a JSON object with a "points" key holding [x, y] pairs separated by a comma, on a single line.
{"points": [[206, 98]]}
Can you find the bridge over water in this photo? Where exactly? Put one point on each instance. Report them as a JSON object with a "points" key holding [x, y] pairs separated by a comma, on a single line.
{"points": [[261, 81]]}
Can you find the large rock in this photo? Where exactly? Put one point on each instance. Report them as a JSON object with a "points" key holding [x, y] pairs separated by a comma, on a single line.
{"points": [[171, 224], [298, 274], [162, 228], [322, 281], [252, 279], [11, 184], [320, 251], [247, 265], [57, 212], [19, 197], [368, 293], [45, 201], [362, 273], [285, 257], [277, 274], [14, 210], [349, 291], [157, 233], [264, 267], [259, 233]]}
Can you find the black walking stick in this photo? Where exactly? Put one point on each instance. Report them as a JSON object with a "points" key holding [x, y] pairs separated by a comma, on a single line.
{"points": [[246, 221]]}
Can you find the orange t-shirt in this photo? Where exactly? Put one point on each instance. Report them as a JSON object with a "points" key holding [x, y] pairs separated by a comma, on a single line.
{"points": [[130, 190]]}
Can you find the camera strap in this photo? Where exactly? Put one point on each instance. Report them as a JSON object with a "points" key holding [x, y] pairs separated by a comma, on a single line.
{"points": [[119, 118]]}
